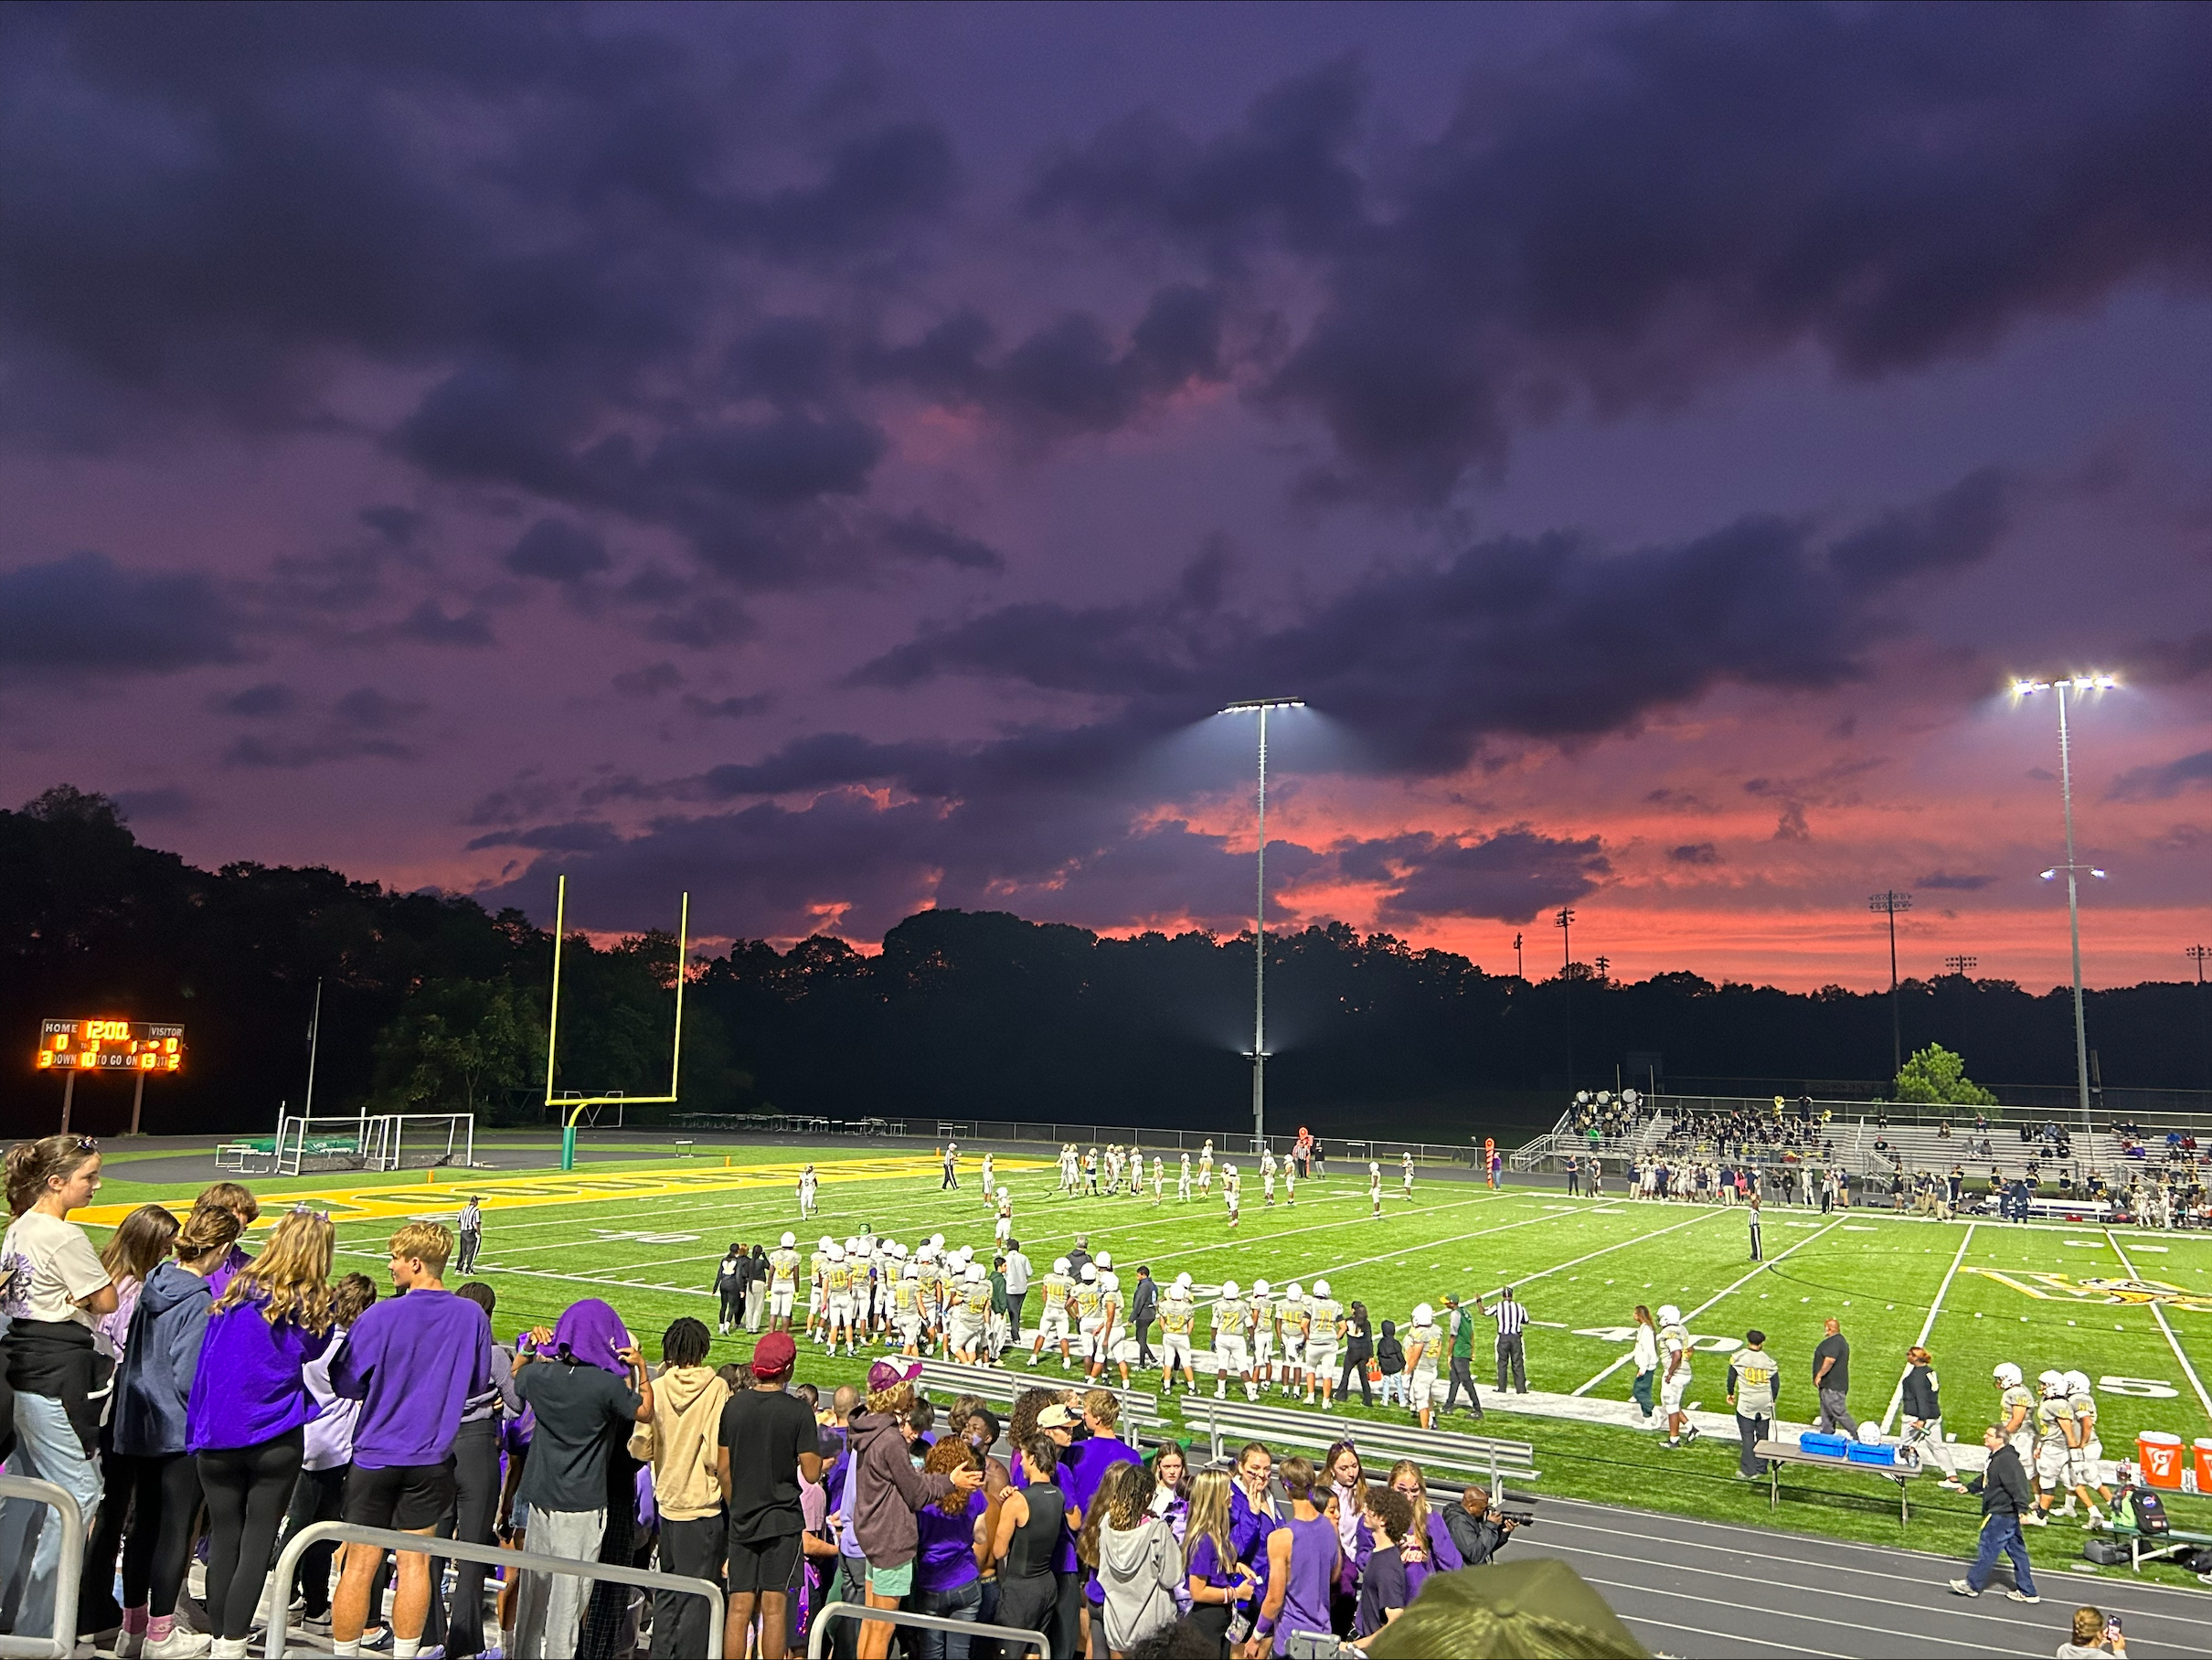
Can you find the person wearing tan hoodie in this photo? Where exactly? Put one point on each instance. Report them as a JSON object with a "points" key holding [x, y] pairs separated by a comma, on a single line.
{"points": [[680, 1442]]}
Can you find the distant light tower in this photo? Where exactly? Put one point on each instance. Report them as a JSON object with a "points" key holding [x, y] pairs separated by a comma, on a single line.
{"points": [[1959, 967], [1890, 902], [1259, 706], [2078, 685], [2196, 954], [1520, 969], [1565, 923]]}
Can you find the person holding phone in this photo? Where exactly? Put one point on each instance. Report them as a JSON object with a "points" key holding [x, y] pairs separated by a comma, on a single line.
{"points": [[2096, 1634]]}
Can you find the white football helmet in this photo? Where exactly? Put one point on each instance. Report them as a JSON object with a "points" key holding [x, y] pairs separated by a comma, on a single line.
{"points": [[2006, 1374], [1091, 1273], [1423, 1314], [790, 1239], [2078, 1382], [1669, 1315], [912, 1271], [1321, 1288], [1183, 1281], [1293, 1292], [1105, 1259], [1228, 1289], [2053, 1382]]}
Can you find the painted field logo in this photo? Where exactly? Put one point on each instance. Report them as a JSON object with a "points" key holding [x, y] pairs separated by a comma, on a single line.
{"points": [[2134, 1294]]}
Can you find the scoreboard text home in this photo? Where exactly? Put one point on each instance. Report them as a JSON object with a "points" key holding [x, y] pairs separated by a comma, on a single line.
{"points": [[136, 1046]]}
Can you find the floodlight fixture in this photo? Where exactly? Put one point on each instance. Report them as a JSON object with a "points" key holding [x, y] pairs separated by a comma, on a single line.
{"points": [[1259, 706], [2077, 686]]}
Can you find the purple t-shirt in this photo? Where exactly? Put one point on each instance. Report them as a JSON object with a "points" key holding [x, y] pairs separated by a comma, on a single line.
{"points": [[1082, 1468], [945, 1559], [250, 1386], [413, 1362], [1312, 1570], [1205, 1564]]}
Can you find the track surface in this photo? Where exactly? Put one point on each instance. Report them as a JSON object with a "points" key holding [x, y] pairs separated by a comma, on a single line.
{"points": [[1714, 1589]]}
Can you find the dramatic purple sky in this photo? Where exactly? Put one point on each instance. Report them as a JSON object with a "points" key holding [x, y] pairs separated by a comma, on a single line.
{"points": [[833, 460]]}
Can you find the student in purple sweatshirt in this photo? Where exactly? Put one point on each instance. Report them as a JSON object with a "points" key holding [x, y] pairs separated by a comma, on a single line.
{"points": [[248, 1409], [413, 1361]]}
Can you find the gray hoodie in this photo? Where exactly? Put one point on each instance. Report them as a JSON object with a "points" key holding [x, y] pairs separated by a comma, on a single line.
{"points": [[1139, 1570]]}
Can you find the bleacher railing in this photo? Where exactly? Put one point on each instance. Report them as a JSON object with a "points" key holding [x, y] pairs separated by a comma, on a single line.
{"points": [[288, 1564], [61, 1640]]}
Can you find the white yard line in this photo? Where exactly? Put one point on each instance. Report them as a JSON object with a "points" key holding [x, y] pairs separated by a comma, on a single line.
{"points": [[1896, 1396], [1709, 1302], [2173, 1342]]}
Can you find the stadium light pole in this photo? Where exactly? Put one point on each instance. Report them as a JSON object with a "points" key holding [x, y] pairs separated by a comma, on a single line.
{"points": [[1891, 902], [2196, 954], [1565, 921], [1960, 965], [1260, 705], [2077, 685]]}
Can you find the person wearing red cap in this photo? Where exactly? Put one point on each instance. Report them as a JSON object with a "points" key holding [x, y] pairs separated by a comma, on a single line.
{"points": [[767, 1443]]}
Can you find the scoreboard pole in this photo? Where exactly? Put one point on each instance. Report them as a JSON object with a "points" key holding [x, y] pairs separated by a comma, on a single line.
{"points": [[138, 1100], [69, 1094]]}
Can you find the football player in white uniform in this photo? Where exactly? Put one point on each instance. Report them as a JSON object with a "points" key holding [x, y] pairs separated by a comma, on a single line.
{"points": [[2088, 1473], [1290, 1322], [1178, 1319], [1405, 1165], [1232, 1194], [782, 1283], [2016, 1412], [1262, 1325], [1674, 1379], [1206, 1167], [1267, 1176], [2055, 1444], [1052, 1323], [1183, 1181], [1325, 1326], [1424, 1345], [1232, 1359]]}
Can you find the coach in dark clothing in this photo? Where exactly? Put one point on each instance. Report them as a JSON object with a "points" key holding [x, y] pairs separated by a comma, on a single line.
{"points": [[1079, 1254], [1143, 1309], [2005, 1497]]}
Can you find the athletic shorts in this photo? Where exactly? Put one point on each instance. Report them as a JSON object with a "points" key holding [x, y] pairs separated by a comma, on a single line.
{"points": [[1052, 1325], [841, 1311], [1120, 1347], [964, 1332], [1420, 1390], [780, 1302], [892, 1581], [1321, 1359], [1229, 1355], [407, 1496], [764, 1564], [1672, 1389], [1263, 1348], [2052, 1464], [909, 1330]]}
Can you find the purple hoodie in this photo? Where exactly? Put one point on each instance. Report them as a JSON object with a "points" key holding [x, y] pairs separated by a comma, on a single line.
{"points": [[248, 1387], [412, 1361]]}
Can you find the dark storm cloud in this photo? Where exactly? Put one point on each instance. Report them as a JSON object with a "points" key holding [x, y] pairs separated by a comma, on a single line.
{"points": [[1548, 637], [1695, 853], [364, 723], [925, 539], [1683, 194], [1944, 882], [558, 551], [84, 616], [2163, 782], [429, 624], [261, 702], [1509, 876]]}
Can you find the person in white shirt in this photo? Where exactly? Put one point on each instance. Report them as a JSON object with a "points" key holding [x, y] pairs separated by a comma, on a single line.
{"points": [[1674, 1380], [1183, 1181], [1646, 1360], [52, 1290]]}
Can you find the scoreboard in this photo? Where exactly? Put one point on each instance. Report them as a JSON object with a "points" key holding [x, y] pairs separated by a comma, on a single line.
{"points": [[134, 1045]]}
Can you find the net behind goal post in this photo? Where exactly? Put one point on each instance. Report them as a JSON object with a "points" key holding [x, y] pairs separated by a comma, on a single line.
{"points": [[318, 1143], [417, 1141]]}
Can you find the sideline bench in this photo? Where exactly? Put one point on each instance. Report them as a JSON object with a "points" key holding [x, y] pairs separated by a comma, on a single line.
{"points": [[1499, 1459], [2145, 1548], [1780, 1452], [1141, 1414]]}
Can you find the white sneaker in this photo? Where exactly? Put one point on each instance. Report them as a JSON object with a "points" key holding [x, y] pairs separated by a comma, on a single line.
{"points": [[2034, 1519], [180, 1645], [1222, 1392]]}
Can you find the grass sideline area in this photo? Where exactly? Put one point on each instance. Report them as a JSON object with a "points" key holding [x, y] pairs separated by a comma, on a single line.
{"points": [[645, 1233]]}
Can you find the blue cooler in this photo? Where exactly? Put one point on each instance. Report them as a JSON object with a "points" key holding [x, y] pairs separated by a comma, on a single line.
{"points": [[1883, 1456], [1827, 1446]]}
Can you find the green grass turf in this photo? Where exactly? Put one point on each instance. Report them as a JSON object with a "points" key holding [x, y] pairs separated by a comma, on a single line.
{"points": [[1580, 1266]]}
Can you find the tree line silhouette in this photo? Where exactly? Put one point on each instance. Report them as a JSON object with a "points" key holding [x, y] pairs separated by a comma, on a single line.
{"points": [[432, 1003]]}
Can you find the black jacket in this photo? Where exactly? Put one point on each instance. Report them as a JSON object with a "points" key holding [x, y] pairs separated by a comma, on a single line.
{"points": [[1921, 1399], [1478, 1538], [1145, 1302], [2005, 1489], [1359, 1342]]}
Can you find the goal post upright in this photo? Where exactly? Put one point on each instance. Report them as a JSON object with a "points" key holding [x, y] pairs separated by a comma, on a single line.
{"points": [[575, 1105]]}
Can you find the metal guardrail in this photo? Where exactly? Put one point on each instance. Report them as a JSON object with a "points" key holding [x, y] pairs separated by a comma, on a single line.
{"points": [[69, 1570], [417, 1543], [1030, 1641]]}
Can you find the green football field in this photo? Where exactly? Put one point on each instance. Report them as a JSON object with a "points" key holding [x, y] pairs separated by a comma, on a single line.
{"points": [[2131, 1310]]}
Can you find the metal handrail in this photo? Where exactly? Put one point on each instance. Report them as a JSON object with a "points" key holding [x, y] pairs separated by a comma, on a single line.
{"points": [[421, 1544], [819, 1636], [68, 1569]]}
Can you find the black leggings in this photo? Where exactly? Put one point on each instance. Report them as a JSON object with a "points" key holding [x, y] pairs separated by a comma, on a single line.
{"points": [[159, 1498], [248, 1489]]}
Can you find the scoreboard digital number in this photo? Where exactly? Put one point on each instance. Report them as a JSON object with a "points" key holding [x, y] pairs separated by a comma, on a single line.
{"points": [[123, 1046]]}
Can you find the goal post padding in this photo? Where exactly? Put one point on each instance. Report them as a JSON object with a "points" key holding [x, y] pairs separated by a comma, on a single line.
{"points": [[419, 1141]]}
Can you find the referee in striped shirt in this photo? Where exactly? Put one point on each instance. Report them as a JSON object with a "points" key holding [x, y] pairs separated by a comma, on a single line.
{"points": [[1511, 1316]]}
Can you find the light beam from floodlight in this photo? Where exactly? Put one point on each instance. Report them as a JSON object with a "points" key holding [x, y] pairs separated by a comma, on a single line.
{"points": [[2077, 685], [1259, 706]]}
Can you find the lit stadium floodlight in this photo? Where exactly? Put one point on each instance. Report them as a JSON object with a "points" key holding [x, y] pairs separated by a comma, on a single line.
{"points": [[2077, 685], [1259, 706]]}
